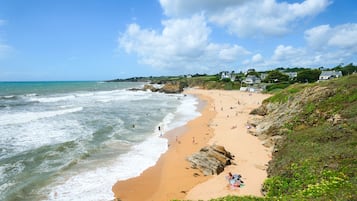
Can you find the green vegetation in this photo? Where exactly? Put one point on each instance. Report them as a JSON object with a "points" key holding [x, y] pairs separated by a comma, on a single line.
{"points": [[282, 96], [273, 81], [308, 75], [276, 76], [317, 158]]}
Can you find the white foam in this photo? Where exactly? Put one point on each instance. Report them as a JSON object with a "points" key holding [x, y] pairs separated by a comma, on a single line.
{"points": [[53, 99], [30, 95], [119, 95], [9, 97], [24, 117], [185, 112], [95, 185]]}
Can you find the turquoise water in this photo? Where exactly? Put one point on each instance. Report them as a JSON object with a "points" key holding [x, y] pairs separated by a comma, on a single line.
{"points": [[65, 140]]}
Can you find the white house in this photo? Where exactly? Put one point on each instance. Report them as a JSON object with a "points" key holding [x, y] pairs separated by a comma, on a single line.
{"points": [[326, 75], [252, 79], [227, 75]]}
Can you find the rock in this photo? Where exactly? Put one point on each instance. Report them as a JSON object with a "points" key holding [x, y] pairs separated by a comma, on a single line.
{"points": [[173, 87], [150, 87], [211, 160], [276, 115]]}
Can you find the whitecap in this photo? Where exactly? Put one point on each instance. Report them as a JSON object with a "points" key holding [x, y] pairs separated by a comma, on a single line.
{"points": [[53, 99], [96, 184], [24, 117]]}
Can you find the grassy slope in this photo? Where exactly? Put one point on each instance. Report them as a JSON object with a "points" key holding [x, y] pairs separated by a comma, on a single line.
{"points": [[317, 159]]}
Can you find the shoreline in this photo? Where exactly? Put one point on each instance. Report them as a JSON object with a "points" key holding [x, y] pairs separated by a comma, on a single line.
{"points": [[224, 113]]}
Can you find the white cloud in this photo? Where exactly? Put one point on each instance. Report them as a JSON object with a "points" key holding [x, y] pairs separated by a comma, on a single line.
{"points": [[179, 8], [287, 53], [182, 44], [324, 36], [266, 17], [317, 37], [289, 56], [257, 58], [248, 17]]}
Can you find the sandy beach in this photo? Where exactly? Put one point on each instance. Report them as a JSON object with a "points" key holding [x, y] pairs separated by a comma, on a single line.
{"points": [[223, 122]]}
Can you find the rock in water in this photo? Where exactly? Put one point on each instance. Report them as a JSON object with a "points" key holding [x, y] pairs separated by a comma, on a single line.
{"points": [[211, 160]]}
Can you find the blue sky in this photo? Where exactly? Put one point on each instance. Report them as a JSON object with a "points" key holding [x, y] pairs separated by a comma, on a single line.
{"points": [[101, 40]]}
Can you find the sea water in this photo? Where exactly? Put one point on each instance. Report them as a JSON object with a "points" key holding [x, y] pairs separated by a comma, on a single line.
{"points": [[74, 140]]}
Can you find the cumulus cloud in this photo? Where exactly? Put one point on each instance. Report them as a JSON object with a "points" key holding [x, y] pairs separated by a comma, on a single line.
{"points": [[248, 17], [183, 43], [179, 8], [326, 46], [324, 36], [257, 58], [266, 17]]}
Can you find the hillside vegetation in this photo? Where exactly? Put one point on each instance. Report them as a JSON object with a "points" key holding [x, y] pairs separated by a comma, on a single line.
{"points": [[312, 130]]}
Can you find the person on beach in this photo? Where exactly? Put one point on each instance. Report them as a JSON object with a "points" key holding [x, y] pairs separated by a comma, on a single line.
{"points": [[234, 180], [159, 128]]}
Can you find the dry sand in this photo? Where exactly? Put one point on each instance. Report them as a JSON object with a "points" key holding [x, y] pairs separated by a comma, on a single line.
{"points": [[223, 122]]}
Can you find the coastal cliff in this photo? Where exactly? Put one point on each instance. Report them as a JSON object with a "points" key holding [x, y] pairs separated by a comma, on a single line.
{"points": [[311, 130]]}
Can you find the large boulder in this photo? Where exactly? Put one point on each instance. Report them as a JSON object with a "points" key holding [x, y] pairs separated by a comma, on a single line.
{"points": [[173, 87], [211, 160]]}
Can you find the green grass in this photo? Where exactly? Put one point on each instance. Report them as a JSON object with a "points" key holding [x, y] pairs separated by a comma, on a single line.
{"points": [[282, 96]]}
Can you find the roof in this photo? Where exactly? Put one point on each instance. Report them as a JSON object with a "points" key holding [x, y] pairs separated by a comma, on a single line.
{"points": [[331, 73]]}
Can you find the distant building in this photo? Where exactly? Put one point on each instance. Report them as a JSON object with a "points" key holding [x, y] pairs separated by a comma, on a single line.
{"points": [[228, 75], [252, 79], [326, 75]]}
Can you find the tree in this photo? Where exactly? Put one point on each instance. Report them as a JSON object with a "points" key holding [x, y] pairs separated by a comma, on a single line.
{"points": [[308, 75], [253, 73], [276, 76], [346, 70]]}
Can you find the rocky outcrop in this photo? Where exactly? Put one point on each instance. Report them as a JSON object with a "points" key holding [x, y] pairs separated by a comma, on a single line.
{"points": [[270, 128], [173, 87], [211, 160], [150, 87], [169, 87]]}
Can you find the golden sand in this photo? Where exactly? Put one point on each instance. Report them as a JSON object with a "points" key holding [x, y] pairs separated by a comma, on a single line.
{"points": [[223, 122]]}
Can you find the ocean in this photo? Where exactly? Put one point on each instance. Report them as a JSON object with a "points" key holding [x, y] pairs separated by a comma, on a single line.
{"points": [[74, 140]]}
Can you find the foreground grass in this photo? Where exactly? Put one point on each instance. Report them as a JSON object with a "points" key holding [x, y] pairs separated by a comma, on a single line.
{"points": [[317, 160]]}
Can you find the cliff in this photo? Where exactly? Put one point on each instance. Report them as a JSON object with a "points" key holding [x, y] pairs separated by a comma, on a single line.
{"points": [[312, 131]]}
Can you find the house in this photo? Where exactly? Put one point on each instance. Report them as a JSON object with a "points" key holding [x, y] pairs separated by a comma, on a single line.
{"points": [[326, 75], [228, 75], [252, 79]]}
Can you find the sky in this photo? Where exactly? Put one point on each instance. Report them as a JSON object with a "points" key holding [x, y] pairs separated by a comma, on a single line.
{"points": [[52, 40]]}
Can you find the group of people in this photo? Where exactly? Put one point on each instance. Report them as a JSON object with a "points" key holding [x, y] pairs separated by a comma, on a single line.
{"points": [[235, 180]]}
